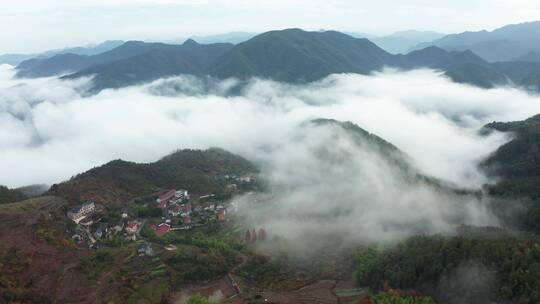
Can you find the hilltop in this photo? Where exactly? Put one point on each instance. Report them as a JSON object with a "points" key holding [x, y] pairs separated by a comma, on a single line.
{"points": [[295, 55], [119, 181]]}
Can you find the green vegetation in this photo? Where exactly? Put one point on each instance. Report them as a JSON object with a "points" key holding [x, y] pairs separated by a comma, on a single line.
{"points": [[140, 278], [420, 262], [264, 271], [12, 290], [119, 180], [198, 299], [11, 262], [517, 163], [203, 254], [147, 211], [194, 266], [203, 257], [350, 292], [154, 290], [94, 264], [9, 195], [365, 139], [32, 203], [294, 55], [113, 213], [387, 298]]}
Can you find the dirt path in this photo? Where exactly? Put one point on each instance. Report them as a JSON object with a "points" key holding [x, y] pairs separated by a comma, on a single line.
{"points": [[232, 281]]}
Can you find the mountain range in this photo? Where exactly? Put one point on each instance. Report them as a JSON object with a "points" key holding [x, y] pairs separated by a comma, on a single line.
{"points": [[138, 62], [508, 43], [291, 55], [15, 59], [401, 42]]}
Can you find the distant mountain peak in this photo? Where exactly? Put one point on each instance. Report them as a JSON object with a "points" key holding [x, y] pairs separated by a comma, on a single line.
{"points": [[133, 43], [432, 49], [501, 44], [190, 43]]}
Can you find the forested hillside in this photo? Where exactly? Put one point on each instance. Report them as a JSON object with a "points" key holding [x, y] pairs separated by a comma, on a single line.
{"points": [[119, 180]]}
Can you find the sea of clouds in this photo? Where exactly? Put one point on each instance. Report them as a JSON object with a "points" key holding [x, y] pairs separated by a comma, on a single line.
{"points": [[52, 129]]}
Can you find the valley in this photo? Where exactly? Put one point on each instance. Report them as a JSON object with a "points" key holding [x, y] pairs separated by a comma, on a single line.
{"points": [[277, 152], [131, 242]]}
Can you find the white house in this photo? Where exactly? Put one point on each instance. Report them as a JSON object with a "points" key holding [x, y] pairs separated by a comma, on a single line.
{"points": [[78, 213]]}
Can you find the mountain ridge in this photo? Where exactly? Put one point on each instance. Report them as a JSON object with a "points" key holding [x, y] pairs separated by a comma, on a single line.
{"points": [[291, 55], [502, 44], [16, 59]]}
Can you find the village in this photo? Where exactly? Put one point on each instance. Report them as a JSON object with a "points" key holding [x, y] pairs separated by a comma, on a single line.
{"points": [[163, 212]]}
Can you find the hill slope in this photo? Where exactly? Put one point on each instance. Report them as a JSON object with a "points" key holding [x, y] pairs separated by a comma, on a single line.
{"points": [[119, 180], [189, 58], [64, 63], [16, 59], [295, 55], [518, 161], [532, 56], [461, 67]]}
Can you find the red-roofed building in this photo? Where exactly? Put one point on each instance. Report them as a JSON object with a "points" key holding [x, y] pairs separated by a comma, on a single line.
{"points": [[160, 229], [220, 213], [132, 226], [164, 197]]}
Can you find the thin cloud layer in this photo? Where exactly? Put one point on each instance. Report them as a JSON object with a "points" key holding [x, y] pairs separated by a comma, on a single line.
{"points": [[323, 183], [50, 132]]}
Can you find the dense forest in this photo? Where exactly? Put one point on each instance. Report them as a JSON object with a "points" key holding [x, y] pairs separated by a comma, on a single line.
{"points": [[456, 269], [9, 195]]}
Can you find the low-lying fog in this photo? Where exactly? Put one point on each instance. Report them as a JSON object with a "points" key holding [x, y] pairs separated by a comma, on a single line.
{"points": [[50, 131]]}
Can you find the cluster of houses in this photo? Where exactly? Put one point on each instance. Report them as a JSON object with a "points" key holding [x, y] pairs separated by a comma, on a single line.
{"points": [[244, 179], [91, 229], [180, 214], [236, 182]]}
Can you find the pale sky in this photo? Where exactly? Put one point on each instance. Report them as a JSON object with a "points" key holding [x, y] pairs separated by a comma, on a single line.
{"points": [[37, 25]]}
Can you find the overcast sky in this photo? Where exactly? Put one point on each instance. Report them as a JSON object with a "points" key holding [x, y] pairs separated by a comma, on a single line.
{"points": [[36, 25]]}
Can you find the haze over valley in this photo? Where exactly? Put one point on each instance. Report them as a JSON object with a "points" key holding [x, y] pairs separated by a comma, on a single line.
{"points": [[281, 166]]}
